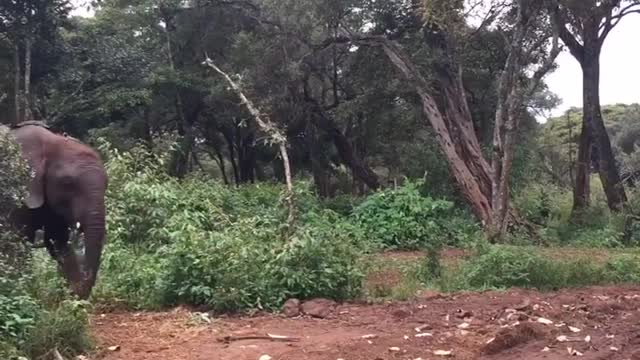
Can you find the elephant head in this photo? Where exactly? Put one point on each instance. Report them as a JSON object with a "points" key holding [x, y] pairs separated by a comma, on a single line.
{"points": [[67, 188]]}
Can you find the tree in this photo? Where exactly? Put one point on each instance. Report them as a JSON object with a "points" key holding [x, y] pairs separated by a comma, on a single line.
{"points": [[24, 22], [583, 27], [485, 186]]}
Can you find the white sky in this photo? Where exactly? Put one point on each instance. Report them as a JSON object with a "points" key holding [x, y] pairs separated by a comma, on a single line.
{"points": [[619, 73]]}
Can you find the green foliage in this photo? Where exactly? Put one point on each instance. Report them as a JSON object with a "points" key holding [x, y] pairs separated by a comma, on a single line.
{"points": [[33, 321], [403, 218], [64, 328], [503, 267], [558, 140], [13, 187], [551, 206], [200, 242]]}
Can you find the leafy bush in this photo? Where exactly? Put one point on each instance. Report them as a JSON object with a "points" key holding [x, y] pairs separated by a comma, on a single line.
{"points": [[503, 267], [624, 269], [64, 328], [200, 242], [551, 206], [342, 204], [405, 219]]}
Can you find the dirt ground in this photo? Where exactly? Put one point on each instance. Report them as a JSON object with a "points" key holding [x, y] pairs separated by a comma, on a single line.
{"points": [[592, 323]]}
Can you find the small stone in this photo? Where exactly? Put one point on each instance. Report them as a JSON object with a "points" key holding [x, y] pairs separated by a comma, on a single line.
{"points": [[291, 308], [265, 357], [443, 353], [114, 348], [394, 349], [545, 321], [424, 335]]}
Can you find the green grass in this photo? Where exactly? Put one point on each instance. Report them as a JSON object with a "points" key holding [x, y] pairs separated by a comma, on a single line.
{"points": [[502, 267]]}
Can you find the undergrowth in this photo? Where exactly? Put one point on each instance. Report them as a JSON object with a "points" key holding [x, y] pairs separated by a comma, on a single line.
{"points": [[502, 267], [203, 243]]}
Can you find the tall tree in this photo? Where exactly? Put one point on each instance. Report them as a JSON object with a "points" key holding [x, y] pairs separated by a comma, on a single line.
{"points": [[24, 22], [584, 26]]}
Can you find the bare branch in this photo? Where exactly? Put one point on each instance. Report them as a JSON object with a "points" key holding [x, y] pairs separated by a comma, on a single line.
{"points": [[613, 20], [265, 125]]}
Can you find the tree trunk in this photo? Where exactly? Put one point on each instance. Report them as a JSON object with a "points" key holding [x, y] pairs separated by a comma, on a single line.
{"points": [[218, 158], [582, 187], [232, 154], [16, 85], [360, 170], [592, 118], [464, 156], [27, 78], [319, 165], [182, 155]]}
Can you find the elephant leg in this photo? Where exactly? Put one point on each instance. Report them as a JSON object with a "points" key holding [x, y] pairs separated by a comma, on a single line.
{"points": [[56, 236]]}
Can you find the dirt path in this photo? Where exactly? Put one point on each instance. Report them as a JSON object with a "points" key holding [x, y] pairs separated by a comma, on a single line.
{"points": [[604, 321]]}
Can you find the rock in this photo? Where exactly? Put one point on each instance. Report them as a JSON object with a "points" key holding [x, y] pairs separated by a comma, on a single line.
{"points": [[265, 357], [401, 313], [319, 308], [511, 337], [462, 314], [291, 308]]}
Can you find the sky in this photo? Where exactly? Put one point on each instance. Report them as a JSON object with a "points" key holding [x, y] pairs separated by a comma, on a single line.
{"points": [[619, 73], [619, 69]]}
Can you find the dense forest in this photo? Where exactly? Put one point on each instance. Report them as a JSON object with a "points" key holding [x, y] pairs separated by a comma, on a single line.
{"points": [[263, 150]]}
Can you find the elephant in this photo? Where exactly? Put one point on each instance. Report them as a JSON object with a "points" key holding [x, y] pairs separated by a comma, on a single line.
{"points": [[66, 191]]}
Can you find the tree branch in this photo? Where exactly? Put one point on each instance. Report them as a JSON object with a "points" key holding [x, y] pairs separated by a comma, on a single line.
{"points": [[549, 61], [268, 127], [576, 49], [57, 111], [613, 20]]}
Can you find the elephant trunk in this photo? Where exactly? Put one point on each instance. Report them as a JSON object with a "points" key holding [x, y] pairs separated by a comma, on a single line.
{"points": [[94, 237]]}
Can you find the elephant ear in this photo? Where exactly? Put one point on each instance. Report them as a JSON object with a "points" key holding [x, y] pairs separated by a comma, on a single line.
{"points": [[35, 198], [33, 149]]}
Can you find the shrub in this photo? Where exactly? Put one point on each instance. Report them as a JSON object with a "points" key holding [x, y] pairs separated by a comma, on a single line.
{"points": [[404, 219], [624, 269], [500, 267], [200, 242], [63, 328]]}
